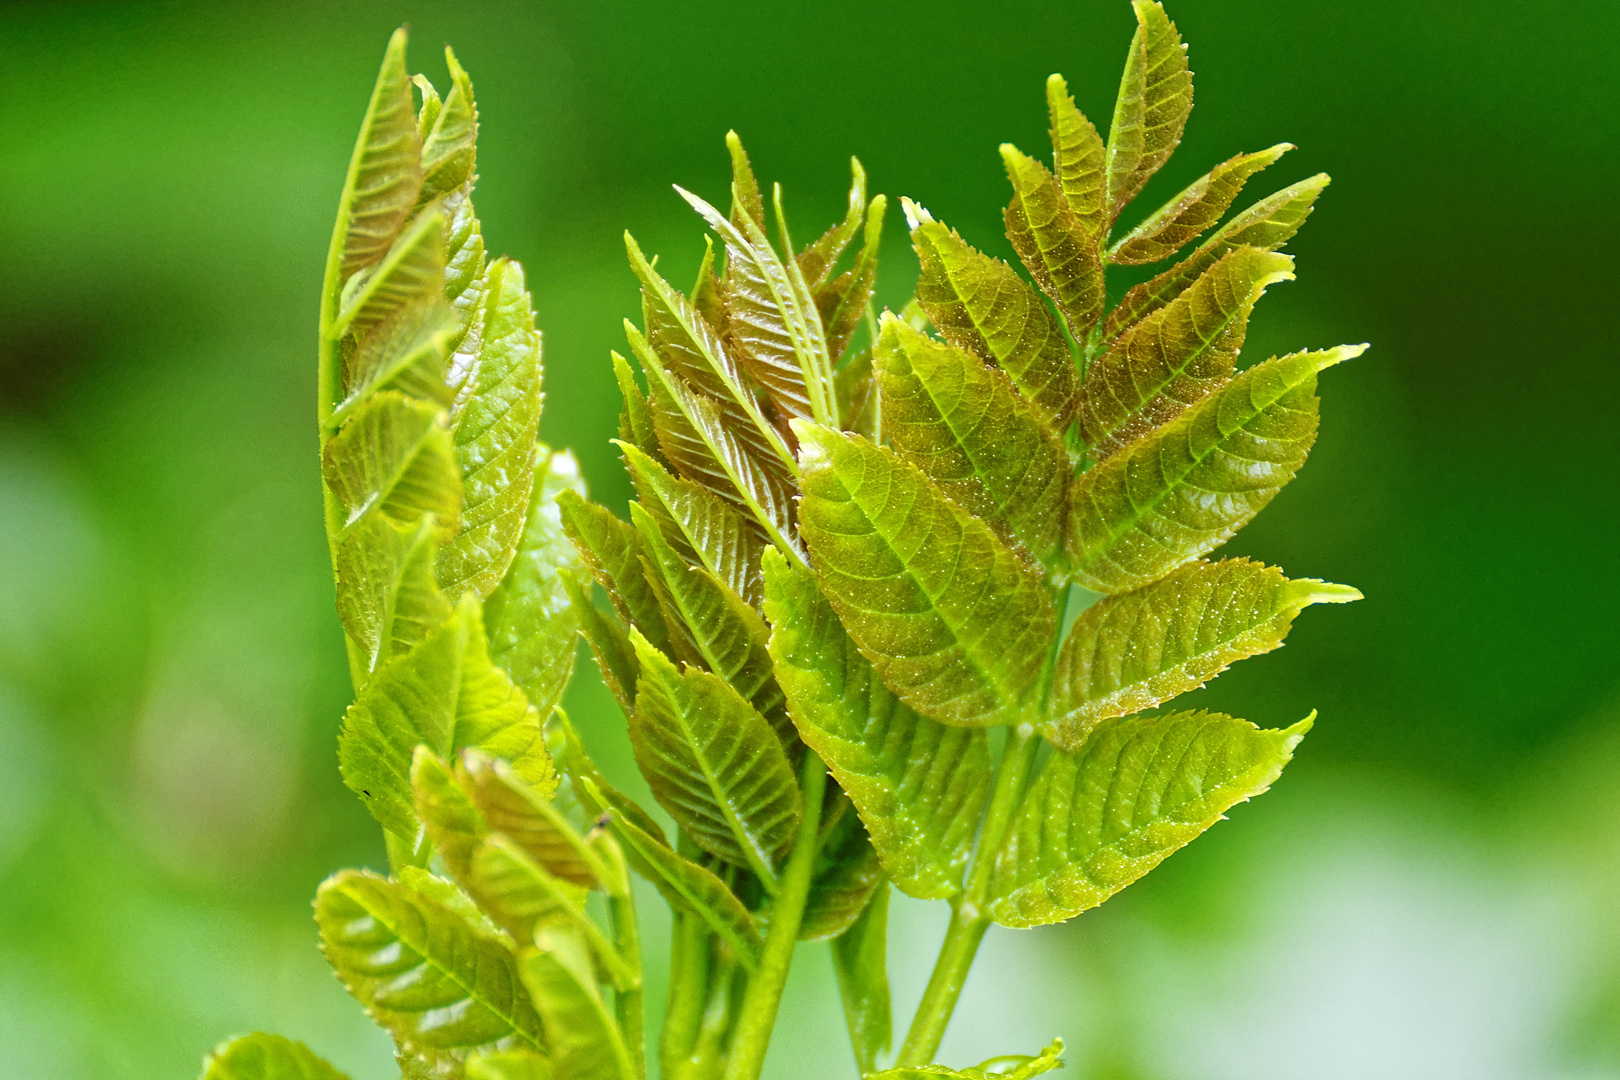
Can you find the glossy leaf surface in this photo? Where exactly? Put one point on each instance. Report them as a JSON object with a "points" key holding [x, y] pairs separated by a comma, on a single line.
{"points": [[1192, 212], [385, 174], [394, 457], [387, 597], [701, 527], [582, 1036], [1155, 96], [1052, 242], [266, 1057]]}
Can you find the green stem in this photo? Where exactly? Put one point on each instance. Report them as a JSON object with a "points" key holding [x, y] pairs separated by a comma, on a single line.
{"points": [[688, 991], [969, 916], [628, 1002], [764, 995]]}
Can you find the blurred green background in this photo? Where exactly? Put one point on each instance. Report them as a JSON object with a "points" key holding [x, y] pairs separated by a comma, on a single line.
{"points": [[1429, 893]]}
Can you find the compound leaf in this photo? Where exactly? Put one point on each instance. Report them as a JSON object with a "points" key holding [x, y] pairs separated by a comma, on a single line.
{"points": [[1177, 355], [583, 1037], [1196, 209], [861, 963], [964, 425], [440, 988], [1155, 97], [266, 1057], [956, 624], [1052, 242], [1185, 488], [1099, 819], [918, 785], [980, 304], [1131, 652]]}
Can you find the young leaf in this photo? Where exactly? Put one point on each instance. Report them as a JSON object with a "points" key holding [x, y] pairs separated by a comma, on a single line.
{"points": [[412, 269], [817, 260], [532, 624], [612, 550], [450, 148], [844, 884], [394, 457], [1097, 820], [446, 695], [583, 1037], [1155, 96], [979, 304], [609, 643], [532, 820], [387, 597], [385, 173], [495, 439], [919, 786], [636, 421], [450, 896], [1179, 354], [861, 964], [714, 763], [1184, 489], [509, 1065], [1052, 243], [953, 620], [405, 352], [1196, 209], [1006, 1067], [441, 989], [964, 425], [845, 302], [1267, 225], [266, 1057], [446, 811], [745, 198], [1079, 158], [1131, 652], [595, 795], [698, 525], [690, 888]]}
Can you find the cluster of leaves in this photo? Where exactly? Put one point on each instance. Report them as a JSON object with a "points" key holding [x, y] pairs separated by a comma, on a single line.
{"points": [[859, 546]]}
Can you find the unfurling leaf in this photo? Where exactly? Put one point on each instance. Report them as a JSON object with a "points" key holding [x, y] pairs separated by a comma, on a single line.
{"points": [[818, 259], [583, 1037], [385, 173], [444, 694], [845, 302], [387, 597], [394, 457], [1007, 1067], [266, 1057], [449, 149], [1052, 242], [1178, 355], [533, 821], [1155, 96], [530, 620], [1131, 652], [918, 785], [714, 763], [1196, 209], [450, 896], [1184, 489], [964, 425], [848, 874], [495, 439], [861, 963], [1079, 159], [446, 810], [955, 622], [1099, 819], [980, 304], [443, 990], [612, 550], [509, 1065], [636, 421], [412, 269], [698, 524], [406, 352]]}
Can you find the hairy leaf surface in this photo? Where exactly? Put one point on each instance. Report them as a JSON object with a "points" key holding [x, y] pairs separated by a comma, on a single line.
{"points": [[385, 173], [1155, 96], [1052, 242], [1097, 820], [701, 527], [819, 258], [1178, 355], [394, 457], [964, 425], [266, 1057], [612, 550], [955, 623], [1195, 210], [1187, 487], [918, 785], [532, 820], [449, 149], [443, 990], [845, 302], [1131, 652], [1079, 158], [413, 268]]}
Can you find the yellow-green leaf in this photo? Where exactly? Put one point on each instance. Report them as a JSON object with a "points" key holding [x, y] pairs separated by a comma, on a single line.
{"points": [[847, 875], [450, 147], [612, 550], [1079, 159], [394, 456], [1131, 652], [845, 302], [412, 268], [530, 817], [1196, 209], [1052, 242], [701, 527], [385, 173], [1097, 820], [861, 964], [387, 597], [818, 259], [1155, 96], [1184, 489], [1006, 1067], [509, 1065], [583, 1037], [266, 1057]]}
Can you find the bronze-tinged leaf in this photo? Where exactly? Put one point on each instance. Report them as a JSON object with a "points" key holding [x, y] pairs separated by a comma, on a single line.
{"points": [[818, 259], [955, 622], [411, 269], [1079, 158], [746, 201], [964, 425], [1131, 652], [385, 173], [1184, 489], [980, 304], [1267, 225], [611, 549], [1052, 242], [1195, 210], [701, 527], [636, 421], [1155, 96], [1178, 355], [845, 303]]}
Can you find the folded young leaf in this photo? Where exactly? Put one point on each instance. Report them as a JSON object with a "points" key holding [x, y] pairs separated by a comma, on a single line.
{"points": [[1079, 159], [450, 148], [533, 821], [919, 786], [612, 550], [1053, 243], [583, 1037], [1131, 652], [412, 268], [746, 201], [964, 425], [1184, 489], [1267, 225], [464, 263], [1006, 1067], [405, 352], [495, 439], [444, 694], [532, 625], [440, 988], [861, 964], [1196, 209], [387, 597], [1099, 819], [714, 763], [844, 883], [509, 1065], [636, 421], [450, 896], [1178, 355], [385, 173], [690, 888], [266, 1057], [845, 302], [609, 642], [701, 528], [446, 810], [956, 624], [590, 788], [818, 259], [980, 304], [394, 456], [1155, 96]]}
